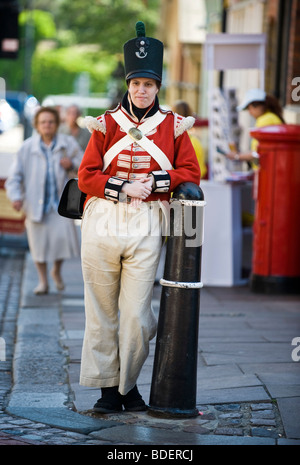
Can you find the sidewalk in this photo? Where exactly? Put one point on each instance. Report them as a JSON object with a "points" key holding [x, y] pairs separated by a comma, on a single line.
{"points": [[248, 384]]}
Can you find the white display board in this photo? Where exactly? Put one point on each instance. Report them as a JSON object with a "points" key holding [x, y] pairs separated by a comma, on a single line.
{"points": [[224, 235], [223, 52]]}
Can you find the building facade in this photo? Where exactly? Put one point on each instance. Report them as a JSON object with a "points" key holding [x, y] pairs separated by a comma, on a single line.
{"points": [[183, 28]]}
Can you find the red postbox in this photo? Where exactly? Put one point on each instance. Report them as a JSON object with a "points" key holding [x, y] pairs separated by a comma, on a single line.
{"points": [[276, 242]]}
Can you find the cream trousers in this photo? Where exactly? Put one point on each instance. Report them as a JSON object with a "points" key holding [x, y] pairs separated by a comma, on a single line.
{"points": [[120, 252]]}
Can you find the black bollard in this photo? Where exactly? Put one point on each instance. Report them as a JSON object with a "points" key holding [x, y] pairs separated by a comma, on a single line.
{"points": [[174, 378]]}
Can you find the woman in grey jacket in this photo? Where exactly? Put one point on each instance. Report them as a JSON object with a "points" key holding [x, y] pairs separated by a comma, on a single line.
{"points": [[38, 176]]}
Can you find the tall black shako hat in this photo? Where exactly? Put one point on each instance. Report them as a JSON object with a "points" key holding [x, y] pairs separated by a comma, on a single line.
{"points": [[143, 56]]}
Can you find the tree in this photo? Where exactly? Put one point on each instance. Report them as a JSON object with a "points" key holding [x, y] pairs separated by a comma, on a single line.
{"points": [[67, 37], [109, 23], [33, 26], [55, 70]]}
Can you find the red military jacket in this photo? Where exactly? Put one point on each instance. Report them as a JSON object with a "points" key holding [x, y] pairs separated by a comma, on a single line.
{"points": [[133, 162]]}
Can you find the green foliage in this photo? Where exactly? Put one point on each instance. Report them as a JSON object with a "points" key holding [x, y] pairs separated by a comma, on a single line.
{"points": [[42, 23], [55, 71], [66, 25], [13, 72], [109, 23], [34, 26]]}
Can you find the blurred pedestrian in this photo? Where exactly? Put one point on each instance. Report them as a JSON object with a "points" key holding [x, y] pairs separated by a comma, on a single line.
{"points": [[72, 128], [136, 157], [36, 181], [267, 112], [183, 108]]}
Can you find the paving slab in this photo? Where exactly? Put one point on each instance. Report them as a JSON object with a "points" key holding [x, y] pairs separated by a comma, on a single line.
{"points": [[219, 353], [62, 418], [289, 379], [8, 440], [278, 390], [290, 410], [288, 442], [238, 394], [21, 399], [132, 434], [206, 372], [39, 316], [84, 397], [223, 382], [244, 356], [40, 371], [280, 370]]}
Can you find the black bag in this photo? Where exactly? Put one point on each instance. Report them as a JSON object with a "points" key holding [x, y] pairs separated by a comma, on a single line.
{"points": [[71, 201]]}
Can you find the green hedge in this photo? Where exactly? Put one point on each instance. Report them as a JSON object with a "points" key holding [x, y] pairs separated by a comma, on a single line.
{"points": [[54, 71]]}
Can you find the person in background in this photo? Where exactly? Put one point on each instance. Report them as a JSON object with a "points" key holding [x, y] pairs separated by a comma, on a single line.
{"points": [[182, 108], [72, 128], [137, 155], [267, 112], [36, 181]]}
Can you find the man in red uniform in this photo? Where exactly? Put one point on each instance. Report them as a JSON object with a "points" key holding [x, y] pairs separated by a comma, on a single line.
{"points": [[137, 155]]}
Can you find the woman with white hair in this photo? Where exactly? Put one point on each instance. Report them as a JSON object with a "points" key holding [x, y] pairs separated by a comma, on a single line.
{"points": [[35, 184]]}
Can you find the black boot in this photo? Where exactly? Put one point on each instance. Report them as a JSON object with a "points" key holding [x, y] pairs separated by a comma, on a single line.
{"points": [[133, 401], [110, 402]]}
